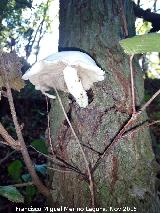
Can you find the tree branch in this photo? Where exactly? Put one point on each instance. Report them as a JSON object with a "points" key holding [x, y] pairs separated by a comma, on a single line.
{"points": [[22, 184], [7, 156], [132, 85], [150, 100], [8, 139], [6, 64], [130, 122]]}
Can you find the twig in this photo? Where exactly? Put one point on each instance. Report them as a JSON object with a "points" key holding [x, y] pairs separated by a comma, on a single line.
{"points": [[155, 6], [140, 127], [22, 184], [130, 122], [48, 127], [153, 123], [132, 85], [41, 28], [90, 148], [8, 138], [39, 31], [43, 189], [7, 156], [148, 102], [58, 170], [62, 163], [115, 140], [91, 186]]}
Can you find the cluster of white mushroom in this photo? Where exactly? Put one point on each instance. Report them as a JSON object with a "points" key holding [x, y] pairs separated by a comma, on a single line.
{"points": [[69, 71]]}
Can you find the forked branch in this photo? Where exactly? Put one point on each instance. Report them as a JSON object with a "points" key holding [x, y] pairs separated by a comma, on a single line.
{"points": [[133, 119], [6, 64]]}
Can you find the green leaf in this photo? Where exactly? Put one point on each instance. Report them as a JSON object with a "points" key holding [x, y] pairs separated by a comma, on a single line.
{"points": [[143, 27], [147, 97], [15, 170], [42, 168], [30, 193], [11, 193], [26, 177], [40, 146], [141, 44]]}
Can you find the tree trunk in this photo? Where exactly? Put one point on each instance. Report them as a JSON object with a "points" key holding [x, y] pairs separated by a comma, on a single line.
{"points": [[125, 177]]}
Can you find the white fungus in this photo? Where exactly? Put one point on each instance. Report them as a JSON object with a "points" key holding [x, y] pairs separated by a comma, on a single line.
{"points": [[69, 71]]}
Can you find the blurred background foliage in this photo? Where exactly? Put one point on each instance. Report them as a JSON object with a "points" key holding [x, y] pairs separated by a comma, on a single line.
{"points": [[149, 62], [23, 24]]}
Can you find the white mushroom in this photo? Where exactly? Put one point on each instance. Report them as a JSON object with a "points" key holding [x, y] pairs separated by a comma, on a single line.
{"points": [[69, 71]]}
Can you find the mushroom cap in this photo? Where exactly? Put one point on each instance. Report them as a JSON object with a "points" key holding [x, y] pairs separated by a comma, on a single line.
{"points": [[49, 72]]}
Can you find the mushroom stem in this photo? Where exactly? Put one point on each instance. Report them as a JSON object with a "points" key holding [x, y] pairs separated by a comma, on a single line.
{"points": [[75, 86]]}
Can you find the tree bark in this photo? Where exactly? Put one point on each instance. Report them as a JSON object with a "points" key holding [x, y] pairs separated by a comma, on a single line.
{"points": [[126, 175]]}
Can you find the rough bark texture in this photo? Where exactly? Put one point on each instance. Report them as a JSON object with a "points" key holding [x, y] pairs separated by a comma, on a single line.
{"points": [[126, 175]]}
